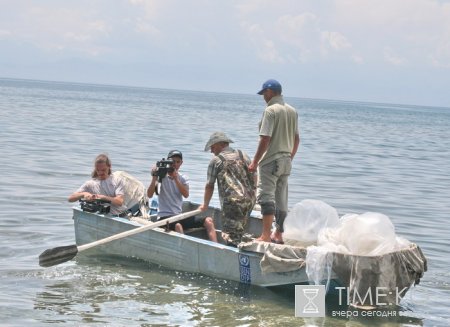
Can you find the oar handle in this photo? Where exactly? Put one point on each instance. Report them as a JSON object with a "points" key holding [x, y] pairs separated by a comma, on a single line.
{"points": [[139, 229]]}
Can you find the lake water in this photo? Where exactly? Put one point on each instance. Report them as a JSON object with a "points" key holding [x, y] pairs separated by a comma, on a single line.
{"points": [[357, 157]]}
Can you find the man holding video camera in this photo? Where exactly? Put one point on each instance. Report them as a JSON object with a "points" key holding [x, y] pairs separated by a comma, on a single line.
{"points": [[172, 189]]}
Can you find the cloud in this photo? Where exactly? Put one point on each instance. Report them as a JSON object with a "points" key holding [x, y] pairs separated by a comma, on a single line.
{"points": [[53, 28], [333, 43], [265, 47], [291, 32], [336, 40], [440, 57], [396, 32], [5, 34], [144, 27], [357, 59], [384, 29], [393, 58], [201, 41], [300, 32], [301, 37], [151, 9]]}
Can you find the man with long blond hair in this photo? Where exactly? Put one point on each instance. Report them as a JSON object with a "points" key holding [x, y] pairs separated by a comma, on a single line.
{"points": [[103, 186]]}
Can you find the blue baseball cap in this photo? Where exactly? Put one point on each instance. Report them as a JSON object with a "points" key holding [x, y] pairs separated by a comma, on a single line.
{"points": [[271, 84]]}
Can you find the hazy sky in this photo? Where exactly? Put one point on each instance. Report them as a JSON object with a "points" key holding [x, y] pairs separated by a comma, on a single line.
{"points": [[395, 51]]}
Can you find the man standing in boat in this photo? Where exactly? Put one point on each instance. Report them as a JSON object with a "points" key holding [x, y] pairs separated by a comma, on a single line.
{"points": [[235, 183], [278, 143], [174, 187], [103, 186]]}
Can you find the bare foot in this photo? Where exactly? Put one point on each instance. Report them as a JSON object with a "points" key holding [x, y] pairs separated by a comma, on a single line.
{"points": [[277, 237], [263, 239]]}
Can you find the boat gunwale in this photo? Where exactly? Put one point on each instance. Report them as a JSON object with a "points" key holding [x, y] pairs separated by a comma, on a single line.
{"points": [[161, 230]]}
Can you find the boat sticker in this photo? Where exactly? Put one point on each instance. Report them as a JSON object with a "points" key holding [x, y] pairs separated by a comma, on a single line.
{"points": [[244, 269]]}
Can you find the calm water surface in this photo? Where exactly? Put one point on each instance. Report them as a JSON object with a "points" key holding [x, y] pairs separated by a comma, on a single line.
{"points": [[357, 157]]}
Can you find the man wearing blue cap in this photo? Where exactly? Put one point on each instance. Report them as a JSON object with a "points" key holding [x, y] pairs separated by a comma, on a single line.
{"points": [[278, 143]]}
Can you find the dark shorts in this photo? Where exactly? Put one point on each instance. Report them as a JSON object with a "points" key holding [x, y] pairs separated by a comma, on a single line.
{"points": [[191, 222]]}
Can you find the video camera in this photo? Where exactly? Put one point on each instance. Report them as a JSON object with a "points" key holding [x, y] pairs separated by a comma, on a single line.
{"points": [[163, 167], [98, 206]]}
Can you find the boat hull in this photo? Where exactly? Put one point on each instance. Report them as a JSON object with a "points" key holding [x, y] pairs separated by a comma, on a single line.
{"points": [[179, 251], [361, 277]]}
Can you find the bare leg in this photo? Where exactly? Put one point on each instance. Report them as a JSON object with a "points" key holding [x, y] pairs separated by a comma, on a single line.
{"points": [[267, 226], [277, 234], [179, 228], [210, 229]]}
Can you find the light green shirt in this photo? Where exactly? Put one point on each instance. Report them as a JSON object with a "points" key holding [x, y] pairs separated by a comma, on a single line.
{"points": [[280, 122]]}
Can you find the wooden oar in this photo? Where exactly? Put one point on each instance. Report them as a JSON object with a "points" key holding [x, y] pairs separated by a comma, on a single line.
{"points": [[55, 256]]}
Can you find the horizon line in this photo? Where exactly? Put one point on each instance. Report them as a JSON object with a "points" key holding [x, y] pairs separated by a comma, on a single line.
{"points": [[213, 92]]}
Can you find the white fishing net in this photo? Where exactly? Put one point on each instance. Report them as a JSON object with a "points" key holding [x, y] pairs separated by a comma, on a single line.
{"points": [[307, 218], [135, 192], [361, 250]]}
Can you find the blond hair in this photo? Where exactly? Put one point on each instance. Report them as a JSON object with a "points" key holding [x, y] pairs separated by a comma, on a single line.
{"points": [[101, 158]]}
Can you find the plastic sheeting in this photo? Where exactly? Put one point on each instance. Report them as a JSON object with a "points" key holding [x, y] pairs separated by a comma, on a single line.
{"points": [[277, 257], [135, 192], [379, 280], [370, 234], [374, 265], [307, 218]]}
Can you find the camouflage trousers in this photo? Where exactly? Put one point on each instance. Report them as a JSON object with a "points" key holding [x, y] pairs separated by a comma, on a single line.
{"points": [[234, 220]]}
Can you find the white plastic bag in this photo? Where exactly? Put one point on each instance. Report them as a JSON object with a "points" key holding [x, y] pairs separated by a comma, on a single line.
{"points": [[307, 218], [369, 234]]}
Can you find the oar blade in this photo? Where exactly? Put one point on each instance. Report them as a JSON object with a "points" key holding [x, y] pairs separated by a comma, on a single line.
{"points": [[55, 256]]}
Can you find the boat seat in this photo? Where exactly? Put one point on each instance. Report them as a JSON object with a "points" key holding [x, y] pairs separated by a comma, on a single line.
{"points": [[199, 232]]}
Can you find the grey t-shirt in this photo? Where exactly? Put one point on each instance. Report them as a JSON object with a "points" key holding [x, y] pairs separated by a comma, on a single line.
{"points": [[280, 122], [110, 187], [170, 198]]}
